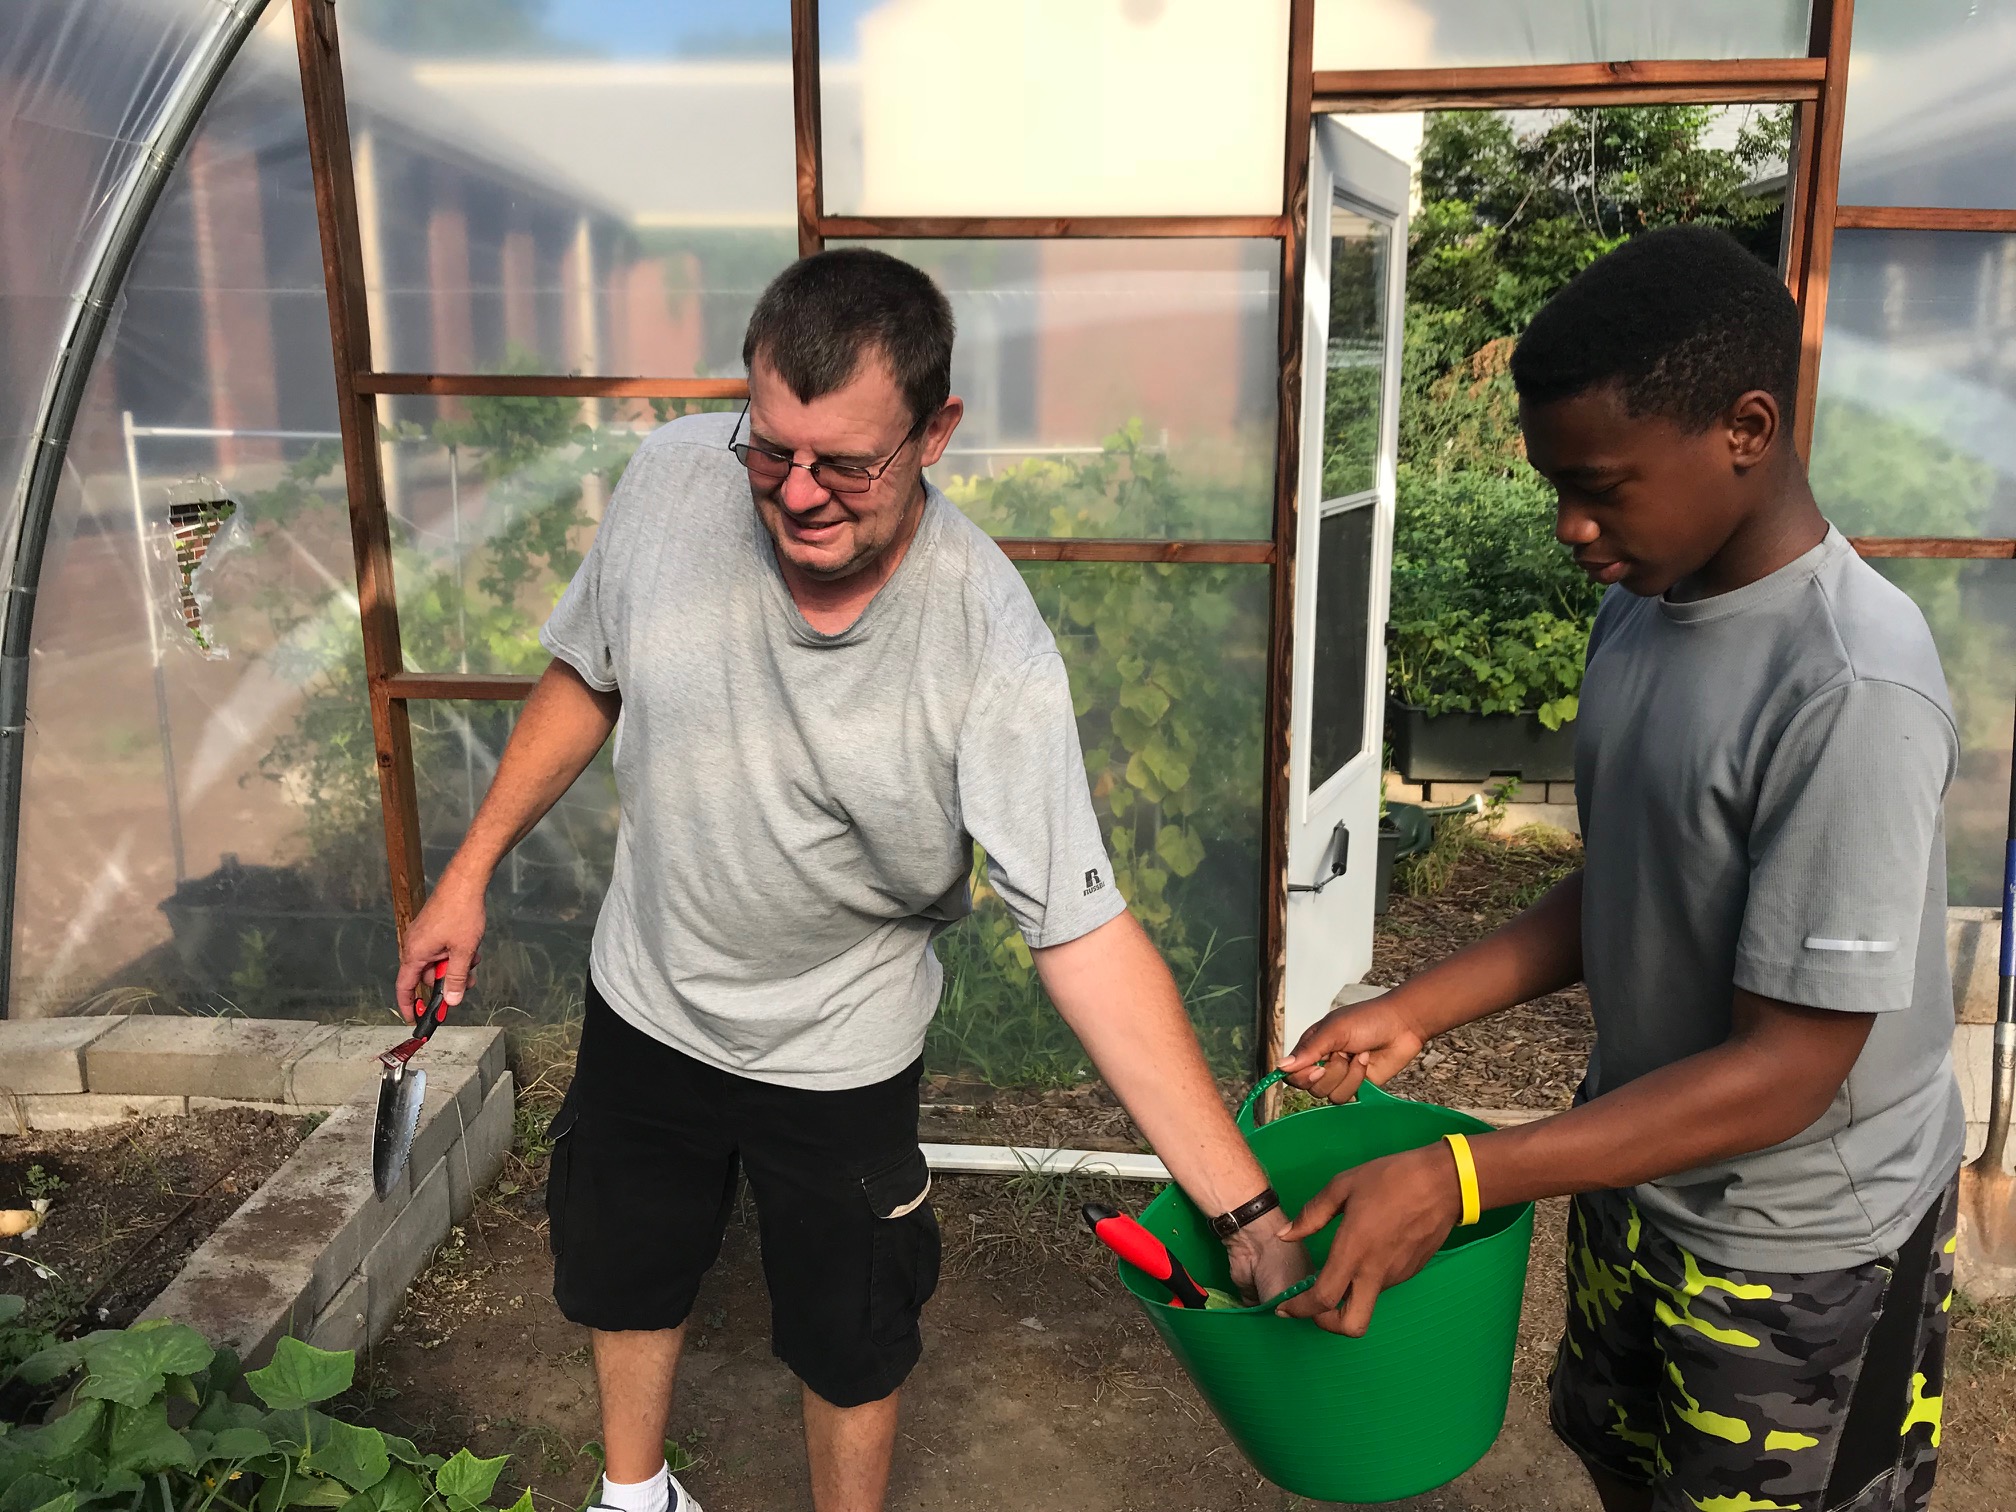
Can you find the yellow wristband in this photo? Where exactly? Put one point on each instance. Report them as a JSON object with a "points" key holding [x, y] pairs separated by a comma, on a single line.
{"points": [[1466, 1178]]}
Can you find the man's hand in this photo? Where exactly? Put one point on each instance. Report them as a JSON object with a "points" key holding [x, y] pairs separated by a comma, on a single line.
{"points": [[1264, 1264], [449, 928], [1376, 1038], [1397, 1211]]}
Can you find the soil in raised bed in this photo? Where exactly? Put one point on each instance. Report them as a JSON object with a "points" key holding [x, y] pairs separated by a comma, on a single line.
{"points": [[128, 1204]]}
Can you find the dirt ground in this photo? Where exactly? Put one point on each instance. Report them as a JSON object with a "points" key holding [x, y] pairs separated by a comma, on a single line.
{"points": [[1042, 1389], [128, 1204]]}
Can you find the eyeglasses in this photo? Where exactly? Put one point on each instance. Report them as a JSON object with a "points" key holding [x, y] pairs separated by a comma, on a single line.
{"points": [[834, 477]]}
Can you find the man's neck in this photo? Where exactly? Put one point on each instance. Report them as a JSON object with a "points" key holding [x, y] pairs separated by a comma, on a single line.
{"points": [[1772, 537], [831, 605]]}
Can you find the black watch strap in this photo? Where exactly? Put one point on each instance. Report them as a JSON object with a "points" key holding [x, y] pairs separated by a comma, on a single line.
{"points": [[1225, 1225]]}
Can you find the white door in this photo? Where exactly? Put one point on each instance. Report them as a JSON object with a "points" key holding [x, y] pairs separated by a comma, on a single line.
{"points": [[1353, 291]]}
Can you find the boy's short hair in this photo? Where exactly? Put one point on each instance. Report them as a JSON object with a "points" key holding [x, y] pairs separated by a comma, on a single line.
{"points": [[1683, 320], [823, 314]]}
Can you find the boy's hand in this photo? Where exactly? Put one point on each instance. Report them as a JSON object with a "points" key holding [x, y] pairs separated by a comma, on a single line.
{"points": [[1373, 1038], [1397, 1211]]}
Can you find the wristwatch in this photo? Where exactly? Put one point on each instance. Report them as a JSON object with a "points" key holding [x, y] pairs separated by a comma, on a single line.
{"points": [[1225, 1225]]}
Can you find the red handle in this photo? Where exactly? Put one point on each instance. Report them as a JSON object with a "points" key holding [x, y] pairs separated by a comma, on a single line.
{"points": [[1141, 1249], [430, 1014]]}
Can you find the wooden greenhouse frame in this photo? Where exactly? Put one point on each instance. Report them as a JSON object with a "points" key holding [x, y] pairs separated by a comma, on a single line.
{"points": [[1815, 84]]}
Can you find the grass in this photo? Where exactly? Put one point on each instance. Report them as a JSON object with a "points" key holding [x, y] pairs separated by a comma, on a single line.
{"points": [[1462, 836], [1984, 1332]]}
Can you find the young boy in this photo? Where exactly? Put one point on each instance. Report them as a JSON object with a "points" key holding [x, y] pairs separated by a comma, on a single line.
{"points": [[1764, 1151]]}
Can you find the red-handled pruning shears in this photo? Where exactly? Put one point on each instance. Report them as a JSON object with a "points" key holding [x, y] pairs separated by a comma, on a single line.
{"points": [[1141, 1249], [402, 1088]]}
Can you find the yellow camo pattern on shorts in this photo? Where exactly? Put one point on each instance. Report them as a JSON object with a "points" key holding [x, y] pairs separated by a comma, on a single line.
{"points": [[1727, 1390]]}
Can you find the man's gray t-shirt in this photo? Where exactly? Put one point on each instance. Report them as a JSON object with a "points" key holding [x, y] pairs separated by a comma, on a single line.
{"points": [[1760, 778], [798, 810]]}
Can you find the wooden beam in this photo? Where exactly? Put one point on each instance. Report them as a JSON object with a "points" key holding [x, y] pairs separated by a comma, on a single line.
{"points": [[328, 121], [1922, 218], [551, 386], [806, 124], [1022, 227], [1052, 549], [1820, 167], [1274, 808], [471, 685], [1648, 82], [1798, 188], [1937, 548], [1542, 97]]}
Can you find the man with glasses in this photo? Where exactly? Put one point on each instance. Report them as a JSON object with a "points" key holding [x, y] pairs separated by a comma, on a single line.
{"points": [[825, 702]]}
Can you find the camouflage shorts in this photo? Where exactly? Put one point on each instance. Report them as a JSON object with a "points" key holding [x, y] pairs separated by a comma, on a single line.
{"points": [[1748, 1391]]}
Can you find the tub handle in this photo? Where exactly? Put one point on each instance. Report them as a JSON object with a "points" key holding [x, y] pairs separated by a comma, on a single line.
{"points": [[1367, 1093]]}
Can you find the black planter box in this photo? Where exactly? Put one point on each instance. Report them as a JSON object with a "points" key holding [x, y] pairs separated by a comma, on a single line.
{"points": [[1476, 747], [1389, 852]]}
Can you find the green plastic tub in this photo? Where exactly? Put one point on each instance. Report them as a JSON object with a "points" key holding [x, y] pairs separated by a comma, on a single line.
{"points": [[1405, 1409]]}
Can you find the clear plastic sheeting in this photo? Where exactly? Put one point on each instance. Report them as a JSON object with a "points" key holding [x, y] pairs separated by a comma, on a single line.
{"points": [[1971, 607], [1931, 118], [81, 87], [1113, 387], [493, 503], [203, 834], [1053, 107], [572, 187], [1915, 429], [1482, 33]]}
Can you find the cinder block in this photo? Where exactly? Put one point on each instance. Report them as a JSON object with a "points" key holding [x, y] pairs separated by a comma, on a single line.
{"points": [[406, 1249], [47, 1055], [317, 1212], [1974, 951], [341, 1062], [56, 1111], [346, 1321], [454, 1098], [236, 1300], [209, 1057], [1561, 792], [474, 1161]]}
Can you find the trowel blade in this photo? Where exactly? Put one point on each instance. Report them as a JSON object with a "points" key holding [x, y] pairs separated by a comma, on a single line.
{"points": [[399, 1100]]}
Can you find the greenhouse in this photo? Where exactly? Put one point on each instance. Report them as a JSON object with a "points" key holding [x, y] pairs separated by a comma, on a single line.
{"points": [[327, 332]]}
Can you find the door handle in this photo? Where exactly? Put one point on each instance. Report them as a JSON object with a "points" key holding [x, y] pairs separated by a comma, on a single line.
{"points": [[1340, 858]]}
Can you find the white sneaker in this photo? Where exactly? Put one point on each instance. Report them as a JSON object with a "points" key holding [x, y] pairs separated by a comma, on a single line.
{"points": [[681, 1499]]}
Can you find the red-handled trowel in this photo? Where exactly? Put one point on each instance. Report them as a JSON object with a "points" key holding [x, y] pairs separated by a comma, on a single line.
{"points": [[402, 1088]]}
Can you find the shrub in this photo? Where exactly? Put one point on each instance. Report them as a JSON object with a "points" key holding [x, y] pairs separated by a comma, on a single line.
{"points": [[1489, 614]]}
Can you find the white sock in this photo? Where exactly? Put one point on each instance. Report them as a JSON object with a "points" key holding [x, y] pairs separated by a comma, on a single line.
{"points": [[652, 1494]]}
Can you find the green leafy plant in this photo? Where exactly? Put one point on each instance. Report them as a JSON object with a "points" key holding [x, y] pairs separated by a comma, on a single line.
{"points": [[1489, 614], [156, 1418]]}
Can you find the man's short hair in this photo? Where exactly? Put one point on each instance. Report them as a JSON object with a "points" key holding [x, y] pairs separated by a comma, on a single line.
{"points": [[824, 313], [1682, 320]]}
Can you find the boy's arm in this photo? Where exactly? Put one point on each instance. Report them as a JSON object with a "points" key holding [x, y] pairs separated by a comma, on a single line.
{"points": [[1538, 952], [1775, 1075]]}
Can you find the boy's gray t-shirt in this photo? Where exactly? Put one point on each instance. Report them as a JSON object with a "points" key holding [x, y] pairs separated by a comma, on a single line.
{"points": [[1760, 778], [798, 810]]}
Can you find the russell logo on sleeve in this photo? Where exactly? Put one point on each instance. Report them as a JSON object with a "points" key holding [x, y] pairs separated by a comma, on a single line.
{"points": [[1092, 882]]}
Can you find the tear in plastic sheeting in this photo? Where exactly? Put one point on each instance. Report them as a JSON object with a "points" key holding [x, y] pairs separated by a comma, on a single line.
{"points": [[203, 525]]}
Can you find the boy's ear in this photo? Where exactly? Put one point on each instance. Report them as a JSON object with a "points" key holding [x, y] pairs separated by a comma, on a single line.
{"points": [[1753, 424]]}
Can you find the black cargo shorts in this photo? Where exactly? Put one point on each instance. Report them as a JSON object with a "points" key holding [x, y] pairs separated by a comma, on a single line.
{"points": [[646, 1151]]}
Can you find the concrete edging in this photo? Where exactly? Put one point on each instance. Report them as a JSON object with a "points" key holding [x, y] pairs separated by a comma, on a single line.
{"points": [[314, 1252]]}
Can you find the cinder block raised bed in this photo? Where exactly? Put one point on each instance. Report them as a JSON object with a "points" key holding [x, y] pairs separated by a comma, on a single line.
{"points": [[314, 1252]]}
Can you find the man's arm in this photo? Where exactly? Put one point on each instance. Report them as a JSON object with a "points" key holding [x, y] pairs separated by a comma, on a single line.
{"points": [[1774, 1076], [563, 725], [1117, 995], [1536, 953]]}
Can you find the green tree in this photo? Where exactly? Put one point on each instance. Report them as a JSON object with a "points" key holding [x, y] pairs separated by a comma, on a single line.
{"points": [[1488, 612]]}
